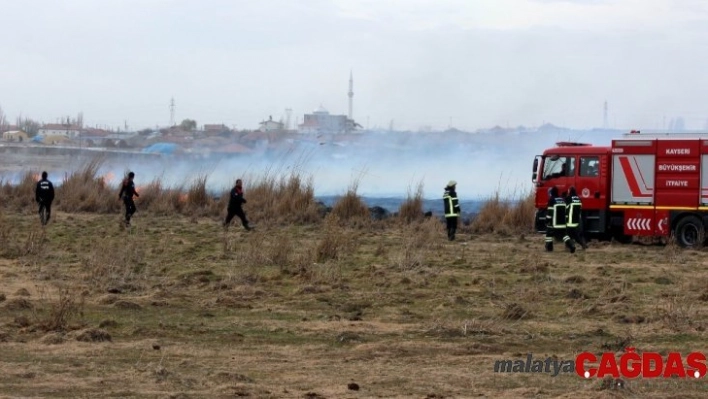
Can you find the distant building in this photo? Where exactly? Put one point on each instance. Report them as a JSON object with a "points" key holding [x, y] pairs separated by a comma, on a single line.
{"points": [[7, 128], [55, 139], [120, 139], [215, 129], [320, 121], [56, 129], [177, 131], [94, 132], [15, 135], [271, 126]]}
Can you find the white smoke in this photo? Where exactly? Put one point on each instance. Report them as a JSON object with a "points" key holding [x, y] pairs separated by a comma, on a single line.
{"points": [[386, 164]]}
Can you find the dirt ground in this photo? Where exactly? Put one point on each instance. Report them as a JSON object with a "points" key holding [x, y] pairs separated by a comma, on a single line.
{"points": [[179, 308]]}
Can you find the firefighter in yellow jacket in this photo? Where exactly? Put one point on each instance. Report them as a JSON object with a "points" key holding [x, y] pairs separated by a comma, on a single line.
{"points": [[452, 209], [574, 224], [556, 220]]}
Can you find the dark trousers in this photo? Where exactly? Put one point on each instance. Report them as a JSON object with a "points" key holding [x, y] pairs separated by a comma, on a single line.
{"points": [[231, 212], [129, 208], [552, 233], [451, 227], [46, 205], [576, 234], [550, 236]]}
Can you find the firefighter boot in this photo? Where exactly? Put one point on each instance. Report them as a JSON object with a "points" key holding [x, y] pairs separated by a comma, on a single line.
{"points": [[549, 244], [569, 244]]}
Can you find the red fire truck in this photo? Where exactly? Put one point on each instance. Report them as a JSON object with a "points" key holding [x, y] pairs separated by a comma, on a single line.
{"points": [[652, 185]]}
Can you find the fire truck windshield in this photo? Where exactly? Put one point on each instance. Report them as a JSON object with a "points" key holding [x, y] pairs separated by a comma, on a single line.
{"points": [[555, 167]]}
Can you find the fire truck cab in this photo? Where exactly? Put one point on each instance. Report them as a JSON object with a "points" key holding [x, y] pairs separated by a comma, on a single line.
{"points": [[587, 168], [652, 185]]}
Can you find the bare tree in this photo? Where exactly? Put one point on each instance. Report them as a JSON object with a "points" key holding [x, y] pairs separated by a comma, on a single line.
{"points": [[28, 125], [188, 125], [3, 121]]}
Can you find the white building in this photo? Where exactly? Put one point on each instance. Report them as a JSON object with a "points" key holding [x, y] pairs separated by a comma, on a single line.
{"points": [[321, 122], [59, 130], [15, 135], [271, 126]]}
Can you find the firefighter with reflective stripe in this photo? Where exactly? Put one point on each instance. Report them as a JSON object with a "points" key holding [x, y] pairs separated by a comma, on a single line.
{"points": [[556, 220], [574, 226], [452, 209]]}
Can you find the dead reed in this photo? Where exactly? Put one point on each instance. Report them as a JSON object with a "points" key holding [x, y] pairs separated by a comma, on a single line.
{"points": [[411, 210], [115, 262], [85, 190], [337, 243], [351, 208], [273, 200], [281, 201], [504, 216]]}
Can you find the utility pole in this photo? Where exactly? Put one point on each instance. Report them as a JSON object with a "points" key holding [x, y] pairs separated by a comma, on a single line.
{"points": [[351, 95], [288, 115], [172, 112]]}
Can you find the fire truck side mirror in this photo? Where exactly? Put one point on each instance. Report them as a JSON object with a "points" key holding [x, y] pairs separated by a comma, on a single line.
{"points": [[534, 176]]}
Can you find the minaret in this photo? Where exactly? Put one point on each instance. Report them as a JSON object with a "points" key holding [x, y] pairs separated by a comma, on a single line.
{"points": [[351, 95]]}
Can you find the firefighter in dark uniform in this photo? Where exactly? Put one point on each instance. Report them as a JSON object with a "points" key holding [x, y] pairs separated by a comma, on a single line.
{"points": [[556, 220], [452, 209], [574, 223], [44, 195], [127, 192]]}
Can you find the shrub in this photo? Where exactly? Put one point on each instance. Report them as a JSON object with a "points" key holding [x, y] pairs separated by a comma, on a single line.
{"points": [[59, 313], [84, 190], [350, 207], [288, 200], [197, 196], [505, 216], [412, 208], [336, 242]]}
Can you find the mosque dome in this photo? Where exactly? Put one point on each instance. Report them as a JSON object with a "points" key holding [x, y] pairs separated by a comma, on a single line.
{"points": [[321, 110]]}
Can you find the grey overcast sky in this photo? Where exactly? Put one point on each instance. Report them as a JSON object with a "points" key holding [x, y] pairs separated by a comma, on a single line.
{"points": [[476, 63]]}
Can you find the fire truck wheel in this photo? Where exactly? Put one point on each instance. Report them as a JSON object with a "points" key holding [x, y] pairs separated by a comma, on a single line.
{"points": [[690, 232]]}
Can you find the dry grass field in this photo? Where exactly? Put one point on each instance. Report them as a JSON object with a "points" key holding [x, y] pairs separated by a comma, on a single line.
{"points": [[312, 306]]}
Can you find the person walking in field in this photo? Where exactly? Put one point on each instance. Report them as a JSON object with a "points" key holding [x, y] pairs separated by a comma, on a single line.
{"points": [[236, 200], [452, 209], [44, 195], [556, 220], [127, 192], [574, 223]]}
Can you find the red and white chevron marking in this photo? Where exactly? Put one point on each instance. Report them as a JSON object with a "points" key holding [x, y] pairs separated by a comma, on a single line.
{"points": [[639, 224]]}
